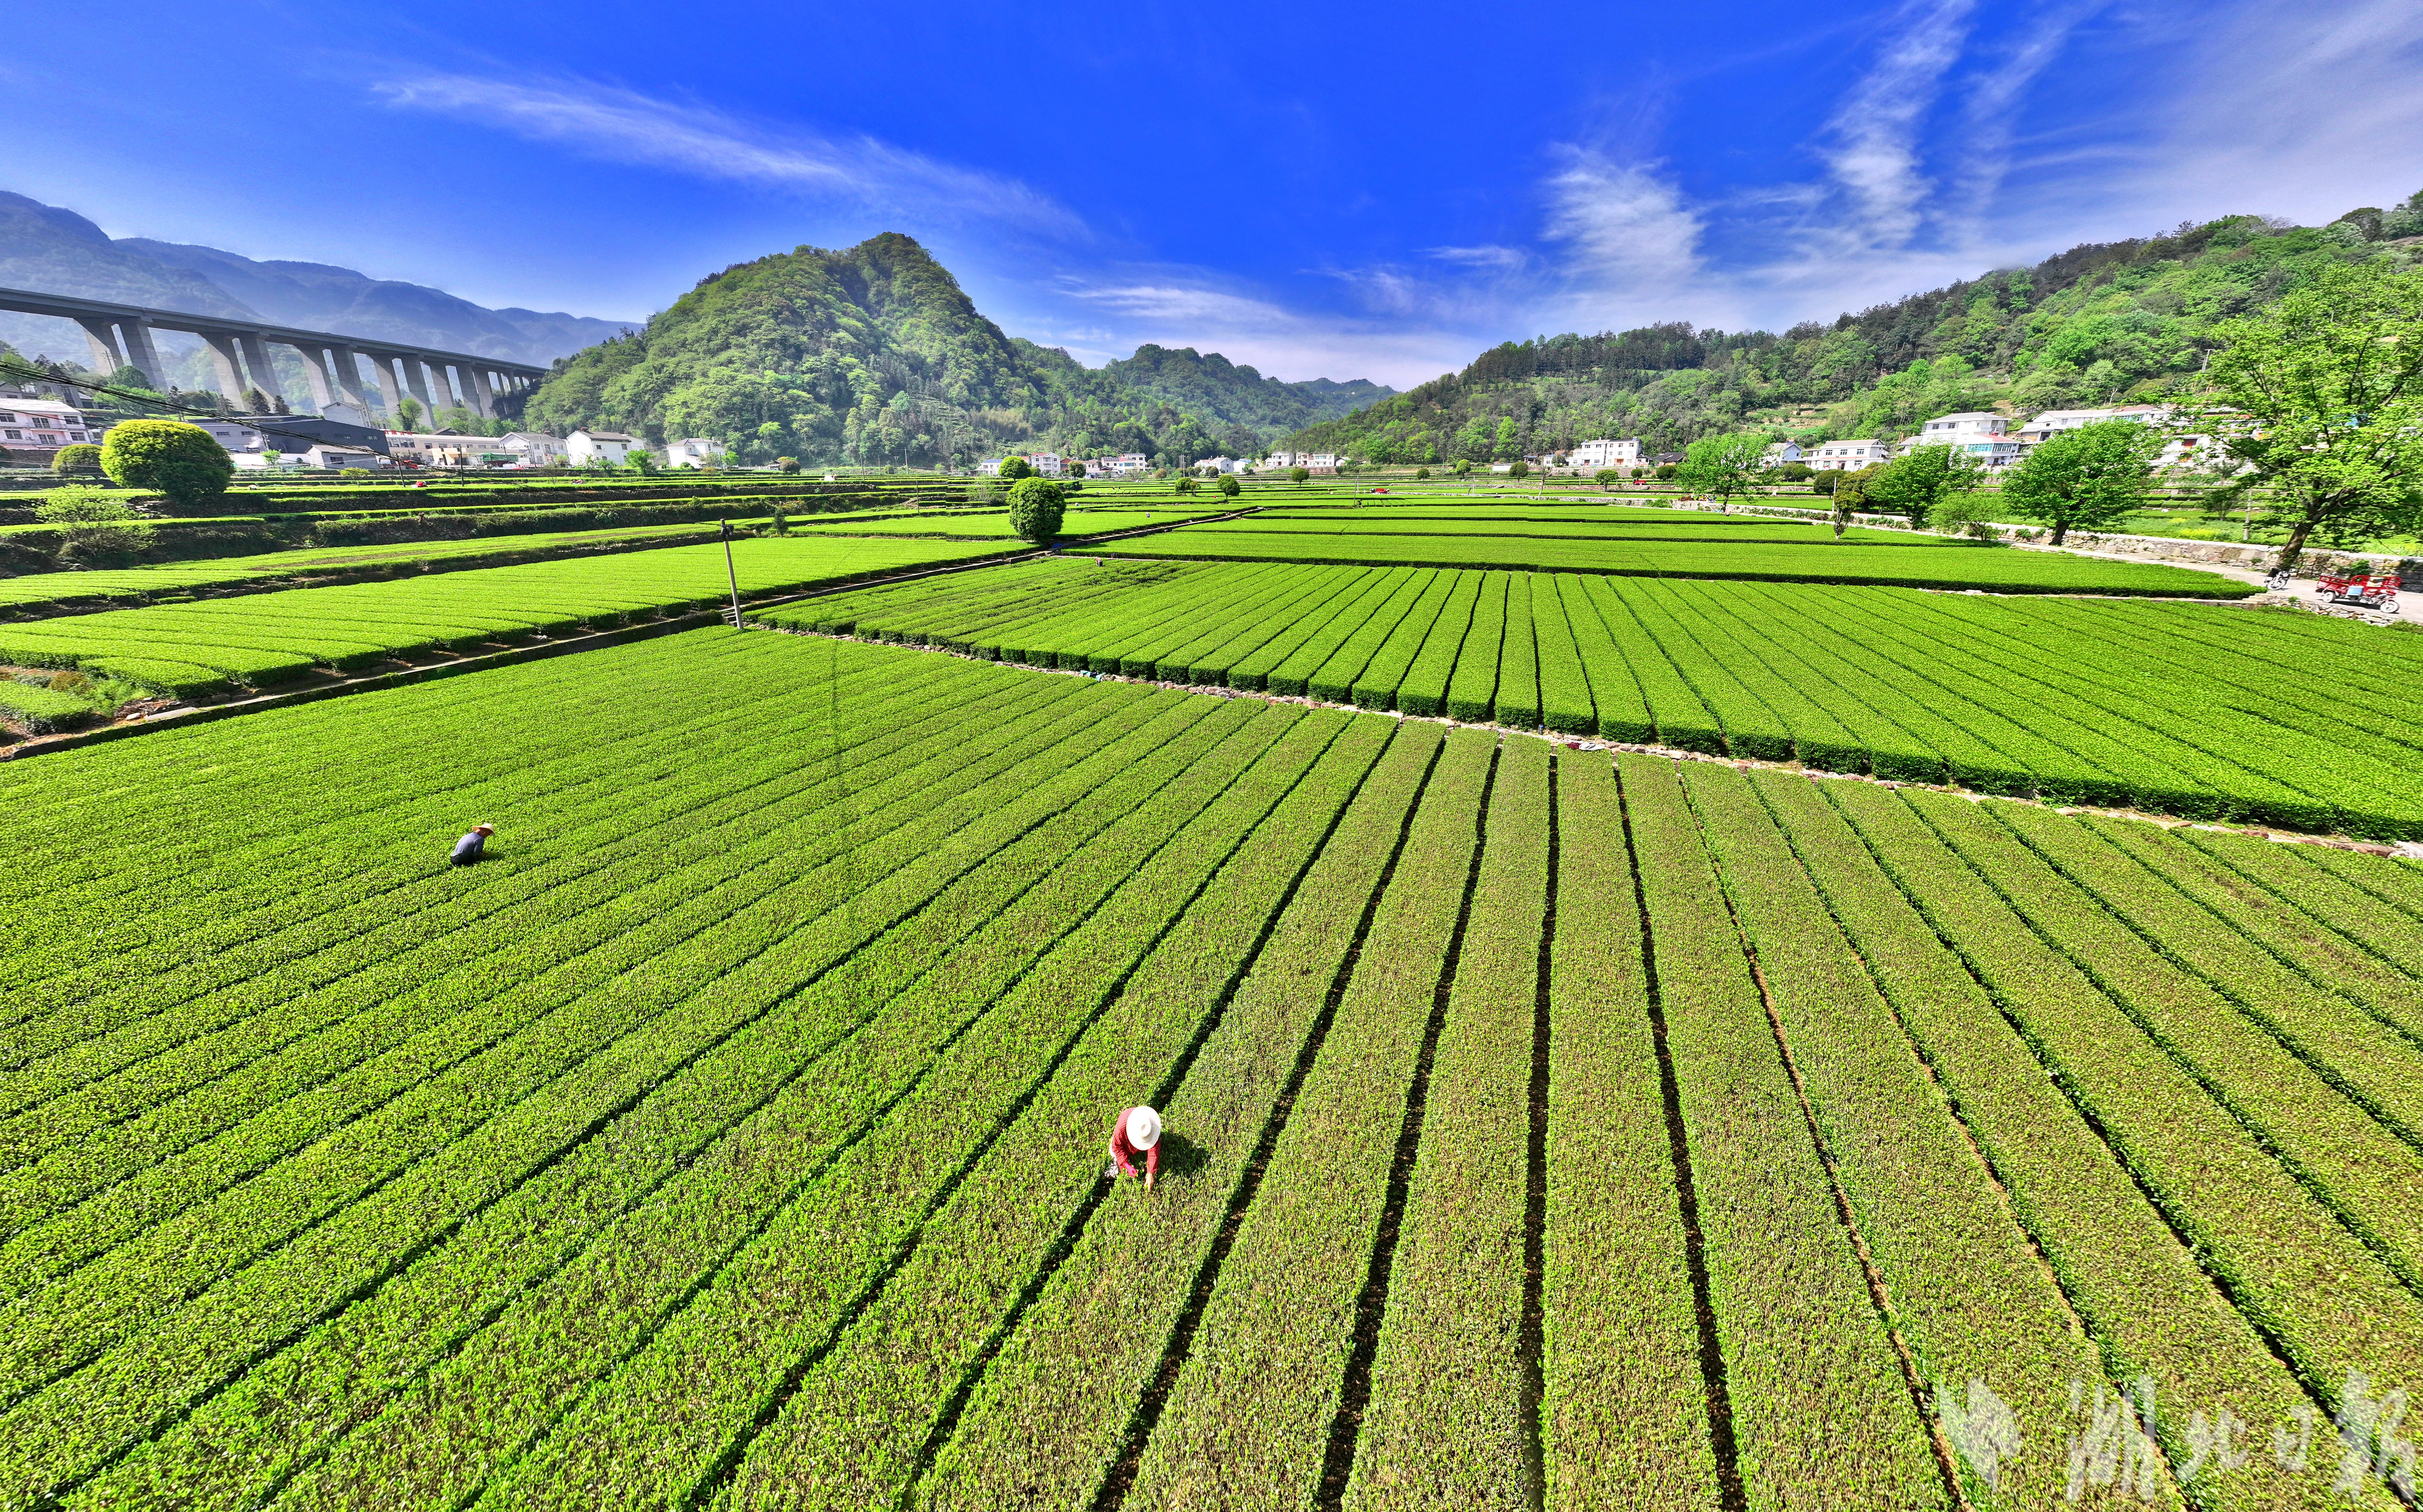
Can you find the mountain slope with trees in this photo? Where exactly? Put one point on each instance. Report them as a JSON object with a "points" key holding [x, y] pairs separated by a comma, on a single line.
{"points": [[55, 251], [874, 356], [2098, 324]]}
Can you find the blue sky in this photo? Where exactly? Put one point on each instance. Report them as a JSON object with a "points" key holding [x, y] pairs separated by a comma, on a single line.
{"points": [[1351, 192]]}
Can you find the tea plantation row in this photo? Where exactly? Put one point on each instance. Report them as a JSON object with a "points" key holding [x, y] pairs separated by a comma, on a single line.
{"points": [[1544, 1127], [2287, 718]]}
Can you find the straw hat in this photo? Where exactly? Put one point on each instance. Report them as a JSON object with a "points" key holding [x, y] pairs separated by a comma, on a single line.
{"points": [[485, 829], [1144, 1128]]}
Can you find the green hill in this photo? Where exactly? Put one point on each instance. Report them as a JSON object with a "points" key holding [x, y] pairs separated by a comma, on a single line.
{"points": [[1241, 399], [2099, 324], [874, 356]]}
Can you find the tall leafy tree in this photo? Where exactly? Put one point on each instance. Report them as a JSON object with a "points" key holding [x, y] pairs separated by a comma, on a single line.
{"points": [[2327, 387], [1036, 506], [2087, 479], [1920, 483], [1724, 466], [180, 461]]}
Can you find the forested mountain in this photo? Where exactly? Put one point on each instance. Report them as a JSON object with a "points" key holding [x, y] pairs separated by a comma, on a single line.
{"points": [[53, 250], [874, 356], [2099, 324], [1208, 385]]}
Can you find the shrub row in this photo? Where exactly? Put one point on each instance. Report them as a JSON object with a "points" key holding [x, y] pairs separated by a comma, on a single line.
{"points": [[2076, 701]]}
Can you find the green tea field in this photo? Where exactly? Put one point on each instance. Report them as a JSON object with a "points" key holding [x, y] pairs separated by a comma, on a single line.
{"points": [[1662, 1042]]}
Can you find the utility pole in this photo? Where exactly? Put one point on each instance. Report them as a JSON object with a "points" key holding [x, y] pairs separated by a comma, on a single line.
{"points": [[731, 573]]}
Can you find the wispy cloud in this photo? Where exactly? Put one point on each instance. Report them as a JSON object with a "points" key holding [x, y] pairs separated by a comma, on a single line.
{"points": [[1176, 307], [606, 120], [1873, 150], [1479, 257], [1626, 225]]}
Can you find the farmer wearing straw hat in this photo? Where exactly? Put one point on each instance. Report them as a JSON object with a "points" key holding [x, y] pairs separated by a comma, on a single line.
{"points": [[1136, 1132], [473, 846]]}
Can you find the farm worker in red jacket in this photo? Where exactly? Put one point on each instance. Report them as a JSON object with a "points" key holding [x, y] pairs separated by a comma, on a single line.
{"points": [[1137, 1133]]}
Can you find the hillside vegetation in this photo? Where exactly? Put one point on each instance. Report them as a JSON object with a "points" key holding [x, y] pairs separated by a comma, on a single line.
{"points": [[2099, 324], [874, 356]]}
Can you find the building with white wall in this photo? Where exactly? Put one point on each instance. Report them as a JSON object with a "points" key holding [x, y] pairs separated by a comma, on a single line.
{"points": [[1780, 452], [1848, 456], [581, 448], [694, 452], [536, 449], [1985, 439], [1605, 453], [35, 429]]}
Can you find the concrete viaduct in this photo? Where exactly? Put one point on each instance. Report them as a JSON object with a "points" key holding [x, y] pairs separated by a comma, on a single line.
{"points": [[121, 335]]}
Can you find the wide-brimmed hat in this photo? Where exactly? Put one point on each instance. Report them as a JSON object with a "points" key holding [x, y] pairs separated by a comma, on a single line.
{"points": [[1144, 1128], [487, 829]]}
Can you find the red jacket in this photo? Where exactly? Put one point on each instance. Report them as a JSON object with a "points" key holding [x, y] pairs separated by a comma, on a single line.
{"points": [[1125, 1153]]}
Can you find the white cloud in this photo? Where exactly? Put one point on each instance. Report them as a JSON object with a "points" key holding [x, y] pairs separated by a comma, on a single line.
{"points": [[1178, 309], [1479, 257], [608, 121], [1873, 155], [1628, 227]]}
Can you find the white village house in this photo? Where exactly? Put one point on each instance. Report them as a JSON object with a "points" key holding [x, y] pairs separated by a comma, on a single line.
{"points": [[28, 425], [1984, 437], [1849, 457], [1603, 452], [583, 447], [694, 452]]}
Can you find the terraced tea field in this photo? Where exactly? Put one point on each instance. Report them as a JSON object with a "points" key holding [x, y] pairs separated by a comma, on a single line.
{"points": [[2286, 718], [261, 639], [1687, 544], [1544, 1126]]}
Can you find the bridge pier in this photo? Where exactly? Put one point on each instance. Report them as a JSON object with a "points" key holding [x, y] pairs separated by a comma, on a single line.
{"points": [[102, 338], [256, 358], [483, 400], [141, 353], [349, 379], [226, 365]]}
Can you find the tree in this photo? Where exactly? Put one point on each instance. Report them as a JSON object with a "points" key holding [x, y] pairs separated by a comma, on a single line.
{"points": [[1036, 506], [1724, 466], [1298, 475], [1187, 485], [178, 461], [1795, 471], [408, 413], [2328, 389], [640, 459], [1420, 473], [1606, 477], [1074, 469], [786, 464], [1520, 470], [1667, 471], [71, 460], [1917, 483], [95, 530], [2087, 479], [1824, 482], [1462, 466], [1015, 468]]}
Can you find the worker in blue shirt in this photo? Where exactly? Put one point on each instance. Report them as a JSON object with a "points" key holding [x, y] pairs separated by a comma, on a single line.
{"points": [[473, 846]]}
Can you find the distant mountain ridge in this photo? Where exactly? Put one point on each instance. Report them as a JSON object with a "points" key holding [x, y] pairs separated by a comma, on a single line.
{"points": [[2100, 323], [55, 250], [874, 356]]}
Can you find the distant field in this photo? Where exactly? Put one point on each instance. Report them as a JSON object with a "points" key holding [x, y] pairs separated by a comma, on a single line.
{"points": [[1892, 560], [2287, 718], [137, 584], [1580, 524], [199, 647], [994, 524], [1544, 1128]]}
